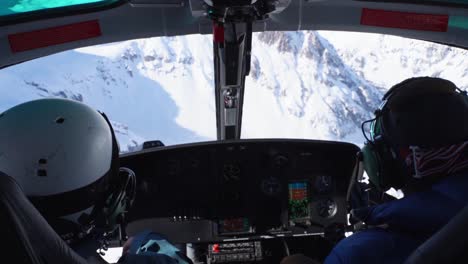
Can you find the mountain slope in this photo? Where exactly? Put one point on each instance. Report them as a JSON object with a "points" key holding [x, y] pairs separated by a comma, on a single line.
{"points": [[384, 60], [319, 85], [316, 95]]}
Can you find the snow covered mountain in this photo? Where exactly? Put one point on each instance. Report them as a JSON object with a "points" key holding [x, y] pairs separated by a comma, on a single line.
{"points": [[316, 85], [384, 60]]}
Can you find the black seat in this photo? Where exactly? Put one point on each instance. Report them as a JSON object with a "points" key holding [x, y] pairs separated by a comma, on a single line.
{"points": [[26, 235], [448, 245]]}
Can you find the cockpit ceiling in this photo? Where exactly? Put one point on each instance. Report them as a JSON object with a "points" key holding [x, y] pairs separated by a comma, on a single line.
{"points": [[29, 35]]}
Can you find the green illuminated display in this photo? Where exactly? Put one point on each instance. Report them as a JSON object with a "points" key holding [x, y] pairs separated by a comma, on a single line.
{"points": [[298, 201]]}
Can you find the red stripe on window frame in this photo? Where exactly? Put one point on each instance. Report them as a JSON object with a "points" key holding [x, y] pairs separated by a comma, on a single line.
{"points": [[54, 36], [218, 33], [404, 20]]}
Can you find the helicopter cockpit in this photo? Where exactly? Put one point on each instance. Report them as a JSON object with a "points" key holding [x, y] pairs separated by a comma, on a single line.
{"points": [[234, 197], [234, 200]]}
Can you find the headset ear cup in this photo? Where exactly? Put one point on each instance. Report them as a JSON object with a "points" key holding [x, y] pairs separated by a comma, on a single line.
{"points": [[372, 164], [382, 167], [130, 188], [120, 200]]}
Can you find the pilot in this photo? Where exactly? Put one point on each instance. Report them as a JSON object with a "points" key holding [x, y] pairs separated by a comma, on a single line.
{"points": [[418, 144], [64, 157]]}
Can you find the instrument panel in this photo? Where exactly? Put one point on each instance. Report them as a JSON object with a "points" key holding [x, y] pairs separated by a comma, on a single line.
{"points": [[219, 190]]}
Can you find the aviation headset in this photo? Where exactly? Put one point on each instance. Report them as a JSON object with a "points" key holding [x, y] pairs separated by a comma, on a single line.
{"points": [[111, 208], [380, 154], [117, 192]]}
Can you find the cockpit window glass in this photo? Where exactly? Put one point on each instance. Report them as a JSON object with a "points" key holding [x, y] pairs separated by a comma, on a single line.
{"points": [[305, 84], [14, 7]]}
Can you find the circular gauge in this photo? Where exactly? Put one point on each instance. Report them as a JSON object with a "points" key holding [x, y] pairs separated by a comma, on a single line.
{"points": [[231, 172], [324, 184], [271, 186], [327, 208]]}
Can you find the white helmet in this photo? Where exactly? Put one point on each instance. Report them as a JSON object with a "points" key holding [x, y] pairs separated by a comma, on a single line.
{"points": [[64, 155]]}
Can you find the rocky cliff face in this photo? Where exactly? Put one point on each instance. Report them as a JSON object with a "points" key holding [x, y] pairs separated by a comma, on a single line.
{"points": [[318, 85]]}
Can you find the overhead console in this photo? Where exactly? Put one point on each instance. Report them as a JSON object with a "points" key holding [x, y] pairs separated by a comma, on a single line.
{"points": [[215, 191]]}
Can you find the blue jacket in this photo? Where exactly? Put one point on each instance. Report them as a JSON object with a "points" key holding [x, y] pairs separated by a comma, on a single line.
{"points": [[410, 222]]}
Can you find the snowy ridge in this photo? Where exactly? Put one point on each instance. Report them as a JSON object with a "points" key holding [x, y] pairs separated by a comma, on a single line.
{"points": [[384, 60], [302, 84], [316, 94]]}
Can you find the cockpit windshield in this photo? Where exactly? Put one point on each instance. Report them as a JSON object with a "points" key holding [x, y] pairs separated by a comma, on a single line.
{"points": [[303, 84]]}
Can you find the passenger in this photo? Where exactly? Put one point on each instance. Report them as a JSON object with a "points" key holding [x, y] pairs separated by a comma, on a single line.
{"points": [[418, 144], [65, 158]]}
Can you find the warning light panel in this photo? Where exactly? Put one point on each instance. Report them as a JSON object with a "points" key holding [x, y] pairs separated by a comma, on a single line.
{"points": [[234, 226]]}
